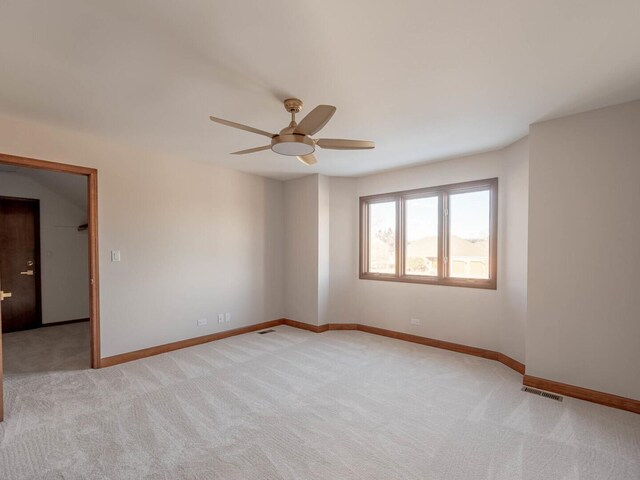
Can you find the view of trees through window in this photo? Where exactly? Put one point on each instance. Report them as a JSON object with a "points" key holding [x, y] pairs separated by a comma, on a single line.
{"points": [[382, 237], [443, 235]]}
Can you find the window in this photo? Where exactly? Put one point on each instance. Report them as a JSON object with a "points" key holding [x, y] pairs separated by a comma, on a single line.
{"points": [[469, 225], [382, 237], [441, 235], [421, 233]]}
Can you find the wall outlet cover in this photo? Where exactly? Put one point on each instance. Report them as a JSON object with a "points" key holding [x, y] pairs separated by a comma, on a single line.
{"points": [[221, 318], [415, 321], [202, 322], [227, 317]]}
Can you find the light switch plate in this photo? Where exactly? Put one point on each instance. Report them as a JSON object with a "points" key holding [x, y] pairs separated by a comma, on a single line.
{"points": [[227, 317], [221, 318], [115, 255]]}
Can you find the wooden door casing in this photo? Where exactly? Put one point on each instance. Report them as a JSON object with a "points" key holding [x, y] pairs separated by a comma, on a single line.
{"points": [[1, 365]]}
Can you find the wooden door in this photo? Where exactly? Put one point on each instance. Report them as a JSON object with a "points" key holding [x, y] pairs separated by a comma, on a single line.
{"points": [[1, 365], [20, 263]]}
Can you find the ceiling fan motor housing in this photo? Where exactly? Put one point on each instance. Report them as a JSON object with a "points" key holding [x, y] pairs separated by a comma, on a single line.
{"points": [[293, 105], [292, 144]]}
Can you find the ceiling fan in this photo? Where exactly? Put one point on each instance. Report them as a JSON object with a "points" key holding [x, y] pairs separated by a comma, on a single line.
{"points": [[295, 140]]}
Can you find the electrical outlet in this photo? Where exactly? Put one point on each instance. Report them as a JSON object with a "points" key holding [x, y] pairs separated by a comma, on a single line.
{"points": [[415, 321], [227, 317], [221, 318], [202, 322]]}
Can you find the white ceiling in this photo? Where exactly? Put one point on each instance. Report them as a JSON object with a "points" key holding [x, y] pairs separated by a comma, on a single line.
{"points": [[425, 79]]}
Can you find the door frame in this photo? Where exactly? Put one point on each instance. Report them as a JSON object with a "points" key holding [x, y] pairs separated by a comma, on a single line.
{"points": [[37, 257], [94, 284]]}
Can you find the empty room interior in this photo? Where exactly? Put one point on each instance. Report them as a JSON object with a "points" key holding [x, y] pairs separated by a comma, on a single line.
{"points": [[336, 240]]}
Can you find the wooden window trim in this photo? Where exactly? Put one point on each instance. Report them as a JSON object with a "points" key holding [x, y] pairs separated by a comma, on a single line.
{"points": [[442, 192]]}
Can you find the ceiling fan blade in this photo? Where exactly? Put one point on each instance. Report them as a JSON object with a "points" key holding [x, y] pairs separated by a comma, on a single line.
{"points": [[251, 150], [315, 120], [241, 127], [308, 159], [339, 144]]}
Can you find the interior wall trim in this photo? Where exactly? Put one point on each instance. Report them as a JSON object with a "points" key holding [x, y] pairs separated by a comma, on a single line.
{"points": [[305, 326], [602, 398], [594, 396], [64, 322], [431, 342], [319, 328], [512, 363], [189, 342], [455, 347]]}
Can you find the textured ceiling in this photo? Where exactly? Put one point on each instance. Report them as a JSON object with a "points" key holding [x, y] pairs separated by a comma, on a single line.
{"points": [[425, 79]]}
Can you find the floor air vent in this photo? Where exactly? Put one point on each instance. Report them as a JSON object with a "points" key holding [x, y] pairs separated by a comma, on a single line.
{"points": [[266, 331], [542, 394]]}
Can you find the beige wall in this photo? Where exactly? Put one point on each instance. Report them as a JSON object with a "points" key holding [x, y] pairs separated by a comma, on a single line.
{"points": [[492, 319], [301, 247], [462, 315], [324, 250], [307, 260], [343, 246], [64, 254], [583, 325], [196, 239], [513, 249]]}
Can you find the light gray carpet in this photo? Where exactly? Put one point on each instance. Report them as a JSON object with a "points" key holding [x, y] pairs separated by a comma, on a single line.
{"points": [[296, 405]]}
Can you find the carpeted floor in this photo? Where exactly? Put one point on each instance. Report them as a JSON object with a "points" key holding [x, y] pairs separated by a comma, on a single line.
{"points": [[295, 405]]}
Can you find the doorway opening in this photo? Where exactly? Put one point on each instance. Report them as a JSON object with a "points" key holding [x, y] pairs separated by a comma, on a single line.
{"points": [[61, 235]]}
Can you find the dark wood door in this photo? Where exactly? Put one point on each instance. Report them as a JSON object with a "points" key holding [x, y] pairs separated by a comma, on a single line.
{"points": [[19, 263], [1, 365]]}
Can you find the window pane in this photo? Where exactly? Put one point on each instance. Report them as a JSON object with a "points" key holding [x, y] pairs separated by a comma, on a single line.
{"points": [[382, 237], [469, 234], [421, 230]]}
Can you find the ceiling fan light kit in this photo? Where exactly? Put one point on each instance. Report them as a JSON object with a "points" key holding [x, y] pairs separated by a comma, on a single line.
{"points": [[292, 144], [295, 140]]}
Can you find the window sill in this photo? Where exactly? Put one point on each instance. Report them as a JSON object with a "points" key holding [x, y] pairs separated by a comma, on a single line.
{"points": [[447, 282]]}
